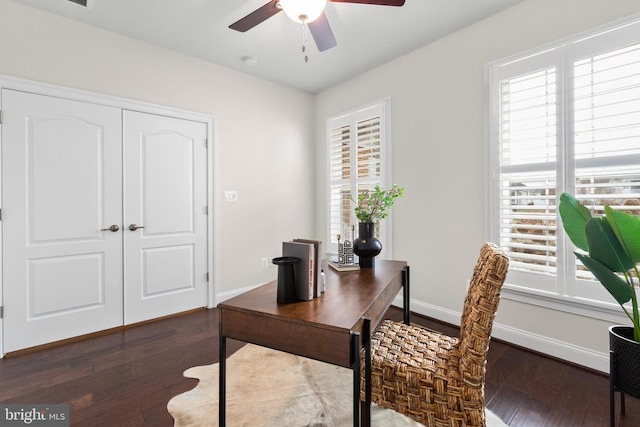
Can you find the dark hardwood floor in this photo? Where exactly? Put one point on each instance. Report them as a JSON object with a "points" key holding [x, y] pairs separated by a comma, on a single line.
{"points": [[126, 378]]}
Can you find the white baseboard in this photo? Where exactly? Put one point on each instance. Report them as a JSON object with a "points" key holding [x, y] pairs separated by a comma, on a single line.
{"points": [[223, 296], [552, 347]]}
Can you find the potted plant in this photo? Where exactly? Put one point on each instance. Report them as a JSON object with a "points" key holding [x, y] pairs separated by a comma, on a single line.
{"points": [[610, 248], [371, 206]]}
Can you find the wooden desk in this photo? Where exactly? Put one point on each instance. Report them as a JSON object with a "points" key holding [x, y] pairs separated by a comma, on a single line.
{"points": [[331, 328]]}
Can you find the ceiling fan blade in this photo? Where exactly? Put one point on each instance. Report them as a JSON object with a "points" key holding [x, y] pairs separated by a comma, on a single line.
{"points": [[322, 34], [378, 2], [256, 17]]}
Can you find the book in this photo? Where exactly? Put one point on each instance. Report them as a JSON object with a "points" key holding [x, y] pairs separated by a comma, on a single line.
{"points": [[343, 267], [317, 247], [304, 268]]}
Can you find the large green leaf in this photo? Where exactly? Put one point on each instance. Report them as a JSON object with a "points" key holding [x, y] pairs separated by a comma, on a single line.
{"points": [[627, 229], [616, 285], [574, 220], [605, 247]]}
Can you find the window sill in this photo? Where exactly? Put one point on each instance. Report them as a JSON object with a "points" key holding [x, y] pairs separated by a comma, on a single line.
{"points": [[580, 306]]}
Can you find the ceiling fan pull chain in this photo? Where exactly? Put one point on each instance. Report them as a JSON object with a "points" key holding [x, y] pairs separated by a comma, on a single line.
{"points": [[304, 41]]}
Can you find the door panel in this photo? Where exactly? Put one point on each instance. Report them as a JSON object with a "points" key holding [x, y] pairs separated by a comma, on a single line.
{"points": [[65, 172], [165, 192], [62, 183], [167, 269], [84, 285], [167, 162]]}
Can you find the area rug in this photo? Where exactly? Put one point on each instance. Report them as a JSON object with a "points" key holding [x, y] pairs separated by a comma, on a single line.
{"points": [[267, 388]]}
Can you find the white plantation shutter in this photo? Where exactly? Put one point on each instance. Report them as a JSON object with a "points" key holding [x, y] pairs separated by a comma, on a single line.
{"points": [[563, 120], [340, 178], [527, 214], [607, 104], [368, 154], [369, 159], [606, 122], [357, 147]]}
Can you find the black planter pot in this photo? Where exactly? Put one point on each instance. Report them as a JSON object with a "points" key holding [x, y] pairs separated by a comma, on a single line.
{"points": [[366, 246], [624, 361]]}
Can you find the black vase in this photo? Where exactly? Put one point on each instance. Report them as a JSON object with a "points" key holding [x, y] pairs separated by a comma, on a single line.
{"points": [[366, 246], [624, 375]]}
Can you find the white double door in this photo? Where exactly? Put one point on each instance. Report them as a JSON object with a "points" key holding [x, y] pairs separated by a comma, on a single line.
{"points": [[104, 217]]}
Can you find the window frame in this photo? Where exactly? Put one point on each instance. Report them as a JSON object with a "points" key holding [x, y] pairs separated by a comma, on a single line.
{"points": [[381, 108], [561, 54]]}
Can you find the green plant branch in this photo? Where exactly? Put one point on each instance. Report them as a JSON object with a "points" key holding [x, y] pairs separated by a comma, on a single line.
{"points": [[633, 303], [374, 204]]}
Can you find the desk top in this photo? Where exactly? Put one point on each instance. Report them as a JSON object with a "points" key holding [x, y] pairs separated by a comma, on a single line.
{"points": [[349, 296], [322, 328]]}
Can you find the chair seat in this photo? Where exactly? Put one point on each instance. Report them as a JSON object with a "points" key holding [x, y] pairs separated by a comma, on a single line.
{"points": [[414, 371]]}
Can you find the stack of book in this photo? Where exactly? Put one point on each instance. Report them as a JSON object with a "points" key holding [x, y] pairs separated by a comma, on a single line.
{"points": [[336, 265], [308, 268]]}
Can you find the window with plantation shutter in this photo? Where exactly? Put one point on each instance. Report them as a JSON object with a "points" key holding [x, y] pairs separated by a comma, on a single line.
{"points": [[357, 161], [566, 119]]}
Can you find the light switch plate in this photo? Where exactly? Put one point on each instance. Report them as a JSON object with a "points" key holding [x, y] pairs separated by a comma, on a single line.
{"points": [[230, 196]]}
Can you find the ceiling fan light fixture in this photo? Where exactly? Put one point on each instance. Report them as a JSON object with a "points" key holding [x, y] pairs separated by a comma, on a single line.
{"points": [[303, 11]]}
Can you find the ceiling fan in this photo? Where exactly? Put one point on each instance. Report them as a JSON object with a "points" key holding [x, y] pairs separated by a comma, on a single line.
{"points": [[307, 12]]}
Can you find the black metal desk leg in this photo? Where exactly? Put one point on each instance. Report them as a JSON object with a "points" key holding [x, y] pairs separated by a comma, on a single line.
{"points": [[222, 381], [405, 296], [355, 348], [366, 409]]}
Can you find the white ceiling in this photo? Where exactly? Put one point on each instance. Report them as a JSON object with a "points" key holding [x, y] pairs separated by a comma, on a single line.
{"points": [[367, 35]]}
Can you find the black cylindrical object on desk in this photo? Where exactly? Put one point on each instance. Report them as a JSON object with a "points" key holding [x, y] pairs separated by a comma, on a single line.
{"points": [[286, 278]]}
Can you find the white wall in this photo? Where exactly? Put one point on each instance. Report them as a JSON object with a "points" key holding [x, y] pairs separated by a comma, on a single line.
{"points": [[438, 109], [267, 154], [263, 152]]}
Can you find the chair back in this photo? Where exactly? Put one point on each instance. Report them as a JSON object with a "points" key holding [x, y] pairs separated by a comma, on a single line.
{"points": [[479, 310]]}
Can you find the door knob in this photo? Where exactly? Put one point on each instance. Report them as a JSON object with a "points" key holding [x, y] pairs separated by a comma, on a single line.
{"points": [[113, 228], [134, 227]]}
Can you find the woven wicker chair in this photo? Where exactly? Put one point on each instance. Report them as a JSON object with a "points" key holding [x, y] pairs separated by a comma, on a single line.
{"points": [[435, 379]]}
